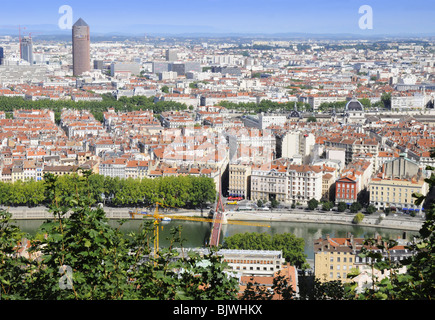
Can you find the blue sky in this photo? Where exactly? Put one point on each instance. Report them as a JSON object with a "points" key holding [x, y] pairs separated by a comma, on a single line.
{"points": [[228, 16]]}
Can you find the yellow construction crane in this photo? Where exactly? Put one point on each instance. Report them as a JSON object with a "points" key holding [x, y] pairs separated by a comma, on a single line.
{"points": [[159, 217]]}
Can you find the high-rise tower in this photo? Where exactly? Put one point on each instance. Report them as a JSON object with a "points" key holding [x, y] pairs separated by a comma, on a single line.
{"points": [[81, 42], [27, 49]]}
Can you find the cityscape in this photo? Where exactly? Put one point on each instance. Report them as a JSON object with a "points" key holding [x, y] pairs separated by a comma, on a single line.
{"points": [[314, 125]]}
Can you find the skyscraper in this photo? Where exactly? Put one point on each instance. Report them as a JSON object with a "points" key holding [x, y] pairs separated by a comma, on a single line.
{"points": [[171, 55], [1, 55], [81, 42], [27, 49]]}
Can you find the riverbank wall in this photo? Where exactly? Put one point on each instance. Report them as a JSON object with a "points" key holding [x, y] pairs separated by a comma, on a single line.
{"points": [[400, 222], [390, 222]]}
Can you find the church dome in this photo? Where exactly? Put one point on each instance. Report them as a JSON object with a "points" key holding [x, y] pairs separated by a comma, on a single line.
{"points": [[354, 105]]}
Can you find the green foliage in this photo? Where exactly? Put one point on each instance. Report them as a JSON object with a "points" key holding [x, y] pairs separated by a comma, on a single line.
{"points": [[264, 106], [81, 257], [341, 206], [12, 266], [358, 218], [280, 290], [291, 246], [313, 204], [327, 205], [274, 203], [355, 207], [331, 290], [371, 209], [417, 283], [182, 191], [97, 108], [386, 99]]}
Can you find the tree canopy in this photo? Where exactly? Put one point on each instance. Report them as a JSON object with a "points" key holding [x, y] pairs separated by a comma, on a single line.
{"points": [[291, 246], [182, 191]]}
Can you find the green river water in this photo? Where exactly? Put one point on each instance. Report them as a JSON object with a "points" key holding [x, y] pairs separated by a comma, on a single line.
{"points": [[196, 233]]}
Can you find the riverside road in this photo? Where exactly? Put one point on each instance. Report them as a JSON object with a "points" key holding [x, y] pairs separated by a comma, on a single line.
{"points": [[393, 221]]}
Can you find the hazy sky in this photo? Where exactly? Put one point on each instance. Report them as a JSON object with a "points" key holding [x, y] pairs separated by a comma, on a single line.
{"points": [[244, 16]]}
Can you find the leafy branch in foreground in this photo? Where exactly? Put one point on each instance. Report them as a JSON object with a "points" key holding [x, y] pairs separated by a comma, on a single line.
{"points": [[80, 256]]}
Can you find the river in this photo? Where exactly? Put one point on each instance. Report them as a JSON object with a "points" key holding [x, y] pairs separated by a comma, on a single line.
{"points": [[195, 233]]}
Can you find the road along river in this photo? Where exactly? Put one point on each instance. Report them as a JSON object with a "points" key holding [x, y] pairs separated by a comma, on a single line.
{"points": [[309, 225]]}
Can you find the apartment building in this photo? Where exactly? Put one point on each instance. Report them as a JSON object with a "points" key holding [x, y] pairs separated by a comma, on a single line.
{"points": [[409, 101], [240, 180], [59, 170], [353, 179], [263, 121], [286, 182], [270, 181], [253, 262], [247, 262], [396, 194], [173, 119], [297, 144], [335, 258], [136, 169], [394, 186], [25, 170], [113, 168], [328, 184], [354, 146], [80, 123], [346, 189], [250, 144]]}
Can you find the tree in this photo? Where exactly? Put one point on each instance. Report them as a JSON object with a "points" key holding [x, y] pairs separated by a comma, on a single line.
{"points": [[291, 246], [355, 207], [81, 257], [12, 266], [327, 205], [331, 290], [201, 191], [371, 209], [358, 218], [292, 249], [274, 203], [280, 290], [386, 99], [313, 204], [341, 206]]}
